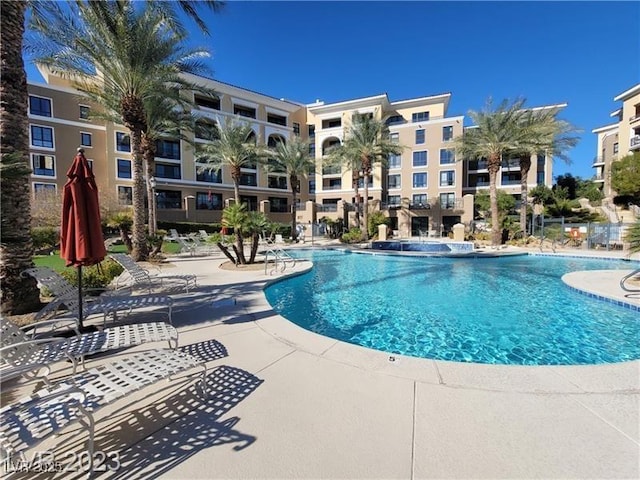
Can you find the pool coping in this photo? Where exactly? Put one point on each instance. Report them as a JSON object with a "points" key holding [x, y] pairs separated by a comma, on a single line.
{"points": [[622, 377]]}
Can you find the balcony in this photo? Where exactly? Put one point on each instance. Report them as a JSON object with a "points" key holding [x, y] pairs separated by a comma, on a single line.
{"points": [[282, 208], [598, 163], [331, 187], [419, 206], [478, 165], [329, 207], [634, 143], [332, 171], [510, 182], [456, 204], [635, 118], [390, 206]]}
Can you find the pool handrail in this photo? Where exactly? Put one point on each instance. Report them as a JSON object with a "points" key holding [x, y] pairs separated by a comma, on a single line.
{"points": [[624, 279]]}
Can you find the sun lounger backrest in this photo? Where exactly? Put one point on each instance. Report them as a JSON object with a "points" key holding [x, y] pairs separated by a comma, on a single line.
{"points": [[139, 274], [11, 335], [58, 285]]}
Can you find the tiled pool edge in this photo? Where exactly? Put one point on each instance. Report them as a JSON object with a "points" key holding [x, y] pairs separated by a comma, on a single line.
{"points": [[603, 298]]}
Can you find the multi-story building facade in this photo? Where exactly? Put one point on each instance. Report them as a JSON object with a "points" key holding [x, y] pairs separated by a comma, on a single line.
{"points": [[618, 139], [424, 188]]}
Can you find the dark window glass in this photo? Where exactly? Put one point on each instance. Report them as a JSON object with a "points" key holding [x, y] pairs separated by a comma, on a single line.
{"points": [[41, 136], [210, 176], [164, 170], [208, 102], [44, 187], [278, 205], [447, 133], [208, 201], [420, 158], [168, 199], [168, 149], [250, 201], [43, 165], [125, 195], [85, 139], [206, 130], [447, 157], [420, 136], [420, 117], [84, 112], [277, 119], [124, 168], [244, 111], [277, 182], [123, 142], [296, 129], [419, 180], [395, 120], [39, 106], [249, 179], [332, 123]]}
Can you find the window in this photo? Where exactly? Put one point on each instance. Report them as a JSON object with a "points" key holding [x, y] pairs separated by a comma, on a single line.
{"points": [[124, 168], [420, 136], [447, 156], [540, 178], [43, 165], [168, 170], [419, 180], [206, 129], [395, 120], [512, 178], [393, 181], [208, 102], [168, 149], [208, 201], [209, 176], [312, 186], [419, 199], [447, 133], [39, 106], [394, 137], [44, 187], [278, 205], [277, 119], [166, 199], [296, 129], [447, 200], [420, 117], [615, 147], [90, 163], [85, 139], [333, 184], [394, 200], [41, 136], [311, 130], [332, 123], [250, 201], [361, 182], [249, 179], [277, 182], [312, 149], [125, 195], [244, 111], [541, 160], [395, 161], [447, 178], [123, 142], [420, 158], [84, 112]]}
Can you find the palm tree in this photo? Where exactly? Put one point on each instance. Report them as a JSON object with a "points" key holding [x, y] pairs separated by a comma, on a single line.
{"points": [[545, 134], [235, 216], [19, 294], [293, 159], [233, 147], [137, 58], [495, 132], [366, 143]]}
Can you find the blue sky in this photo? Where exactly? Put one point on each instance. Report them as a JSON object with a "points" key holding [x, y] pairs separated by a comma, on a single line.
{"points": [[581, 53]]}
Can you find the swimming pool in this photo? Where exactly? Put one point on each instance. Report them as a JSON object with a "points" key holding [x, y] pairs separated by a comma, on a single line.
{"points": [[510, 310]]}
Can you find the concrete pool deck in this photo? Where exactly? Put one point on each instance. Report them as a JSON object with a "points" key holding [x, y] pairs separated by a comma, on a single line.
{"points": [[299, 405]]}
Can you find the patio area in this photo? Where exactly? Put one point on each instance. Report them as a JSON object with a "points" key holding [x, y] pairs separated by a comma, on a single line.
{"points": [[288, 403]]}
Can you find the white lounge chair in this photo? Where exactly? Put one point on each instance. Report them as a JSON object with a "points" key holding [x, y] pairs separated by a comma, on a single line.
{"points": [[139, 277], [105, 305], [28, 422], [22, 355], [194, 247]]}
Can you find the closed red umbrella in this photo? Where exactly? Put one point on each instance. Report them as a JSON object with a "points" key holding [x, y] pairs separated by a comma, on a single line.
{"points": [[81, 240]]}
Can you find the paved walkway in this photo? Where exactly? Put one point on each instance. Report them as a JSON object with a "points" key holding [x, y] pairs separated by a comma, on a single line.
{"points": [[290, 404]]}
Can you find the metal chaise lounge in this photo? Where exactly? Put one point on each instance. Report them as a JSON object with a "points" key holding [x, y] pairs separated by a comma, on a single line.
{"points": [[195, 247], [106, 304], [26, 423], [24, 355], [143, 279]]}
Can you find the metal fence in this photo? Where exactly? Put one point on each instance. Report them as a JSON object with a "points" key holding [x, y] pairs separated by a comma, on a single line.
{"points": [[586, 236]]}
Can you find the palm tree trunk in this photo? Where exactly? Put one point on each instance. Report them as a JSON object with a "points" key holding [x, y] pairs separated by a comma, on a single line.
{"points": [[139, 239], [19, 294], [494, 167], [525, 166], [365, 207], [235, 176], [149, 152], [293, 180]]}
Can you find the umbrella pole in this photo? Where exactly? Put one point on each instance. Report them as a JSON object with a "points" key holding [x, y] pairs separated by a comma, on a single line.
{"points": [[80, 325]]}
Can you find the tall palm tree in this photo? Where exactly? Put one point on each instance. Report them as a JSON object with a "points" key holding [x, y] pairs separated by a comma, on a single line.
{"points": [[293, 159], [544, 134], [137, 58], [233, 147], [366, 143], [494, 133], [18, 294]]}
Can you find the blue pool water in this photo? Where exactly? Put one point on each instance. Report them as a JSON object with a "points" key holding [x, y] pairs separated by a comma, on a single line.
{"points": [[509, 310]]}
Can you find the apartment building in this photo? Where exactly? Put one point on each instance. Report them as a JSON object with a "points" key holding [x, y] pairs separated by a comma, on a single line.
{"points": [[619, 138], [425, 188]]}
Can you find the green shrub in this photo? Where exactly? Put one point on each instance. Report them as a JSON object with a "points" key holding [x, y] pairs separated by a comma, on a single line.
{"points": [[352, 236], [633, 237], [96, 276], [44, 237], [375, 219]]}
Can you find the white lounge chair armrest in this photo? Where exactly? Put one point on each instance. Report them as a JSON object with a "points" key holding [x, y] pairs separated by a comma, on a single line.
{"points": [[30, 402], [32, 328]]}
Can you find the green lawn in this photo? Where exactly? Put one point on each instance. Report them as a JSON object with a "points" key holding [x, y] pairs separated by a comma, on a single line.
{"points": [[56, 263]]}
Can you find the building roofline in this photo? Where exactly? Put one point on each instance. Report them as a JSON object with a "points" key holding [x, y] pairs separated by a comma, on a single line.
{"points": [[615, 113], [446, 95], [627, 93], [320, 104], [606, 128]]}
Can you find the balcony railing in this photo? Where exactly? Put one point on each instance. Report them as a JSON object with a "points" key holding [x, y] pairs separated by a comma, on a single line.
{"points": [[455, 204], [390, 206], [301, 207], [332, 171], [480, 184], [331, 187], [510, 182], [634, 118], [279, 208], [477, 165], [419, 206], [635, 142], [329, 207]]}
